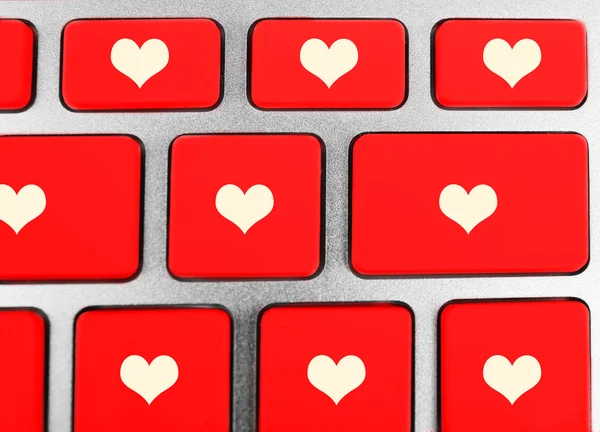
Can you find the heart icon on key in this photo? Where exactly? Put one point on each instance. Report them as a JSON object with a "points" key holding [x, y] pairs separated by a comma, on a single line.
{"points": [[336, 380], [468, 209], [329, 63], [512, 63], [139, 64], [244, 210], [149, 380], [18, 209], [512, 380]]}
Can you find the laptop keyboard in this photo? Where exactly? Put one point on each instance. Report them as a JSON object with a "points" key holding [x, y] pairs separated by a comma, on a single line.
{"points": [[235, 217]]}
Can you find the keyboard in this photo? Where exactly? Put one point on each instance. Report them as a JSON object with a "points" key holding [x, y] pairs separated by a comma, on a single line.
{"points": [[298, 216]]}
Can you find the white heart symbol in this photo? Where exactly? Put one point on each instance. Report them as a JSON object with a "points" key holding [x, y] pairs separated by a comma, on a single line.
{"points": [[468, 209], [149, 380], [244, 210], [17, 210], [329, 64], [512, 64], [512, 380], [336, 381], [139, 64]]}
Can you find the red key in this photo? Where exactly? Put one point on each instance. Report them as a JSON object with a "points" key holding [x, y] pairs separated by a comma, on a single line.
{"points": [[336, 368], [69, 207], [22, 370], [328, 64], [519, 366], [142, 64], [469, 203], [510, 63], [17, 51], [246, 206], [153, 370]]}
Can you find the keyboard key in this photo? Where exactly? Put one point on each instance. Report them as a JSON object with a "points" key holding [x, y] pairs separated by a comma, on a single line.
{"points": [[153, 370], [246, 206], [69, 207], [482, 203], [328, 64], [22, 370], [17, 51], [519, 366], [142, 64], [335, 368], [510, 63]]}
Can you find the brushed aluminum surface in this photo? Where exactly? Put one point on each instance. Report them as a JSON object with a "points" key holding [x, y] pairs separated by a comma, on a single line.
{"points": [[235, 114]]}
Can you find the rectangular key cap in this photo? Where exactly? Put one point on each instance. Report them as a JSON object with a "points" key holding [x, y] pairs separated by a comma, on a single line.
{"points": [[153, 370], [519, 366], [335, 368], [17, 51], [439, 203], [23, 366], [246, 206], [69, 207], [142, 64], [328, 64], [510, 63]]}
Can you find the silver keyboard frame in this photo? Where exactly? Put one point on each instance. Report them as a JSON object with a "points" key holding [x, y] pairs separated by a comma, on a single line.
{"points": [[336, 283]]}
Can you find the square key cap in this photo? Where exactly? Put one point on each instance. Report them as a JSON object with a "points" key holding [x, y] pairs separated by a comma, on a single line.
{"points": [[142, 64], [469, 203], [483, 63], [23, 335], [335, 368], [246, 206], [329, 64], [518, 366], [69, 207], [17, 51], [153, 370]]}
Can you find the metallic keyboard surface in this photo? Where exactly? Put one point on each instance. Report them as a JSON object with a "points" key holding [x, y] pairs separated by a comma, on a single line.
{"points": [[154, 285]]}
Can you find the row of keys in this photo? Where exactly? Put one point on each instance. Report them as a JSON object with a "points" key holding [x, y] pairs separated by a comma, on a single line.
{"points": [[252, 206], [177, 64], [520, 366]]}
